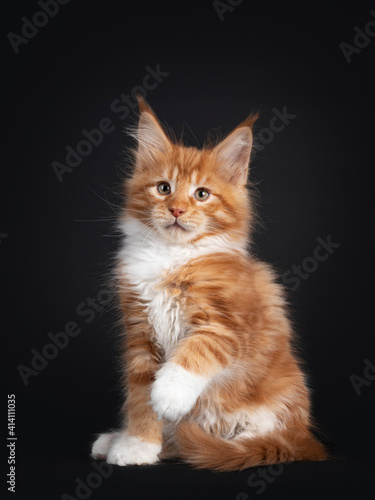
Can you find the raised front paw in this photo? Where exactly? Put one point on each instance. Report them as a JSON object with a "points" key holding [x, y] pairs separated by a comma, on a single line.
{"points": [[175, 391]]}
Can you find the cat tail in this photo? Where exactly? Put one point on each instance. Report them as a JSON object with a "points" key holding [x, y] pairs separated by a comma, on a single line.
{"points": [[205, 451]]}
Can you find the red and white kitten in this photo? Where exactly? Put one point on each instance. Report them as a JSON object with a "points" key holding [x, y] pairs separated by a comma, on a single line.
{"points": [[209, 371]]}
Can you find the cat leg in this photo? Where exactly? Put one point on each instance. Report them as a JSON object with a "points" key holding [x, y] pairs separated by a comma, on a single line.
{"points": [[140, 441], [197, 360], [175, 391]]}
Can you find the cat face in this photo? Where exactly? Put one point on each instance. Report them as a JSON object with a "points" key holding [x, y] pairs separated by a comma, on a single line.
{"points": [[182, 194]]}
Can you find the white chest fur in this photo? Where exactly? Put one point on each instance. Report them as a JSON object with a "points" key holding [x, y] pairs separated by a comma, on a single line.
{"points": [[146, 259]]}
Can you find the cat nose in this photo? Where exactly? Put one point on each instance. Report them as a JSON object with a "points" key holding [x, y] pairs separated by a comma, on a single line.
{"points": [[176, 212]]}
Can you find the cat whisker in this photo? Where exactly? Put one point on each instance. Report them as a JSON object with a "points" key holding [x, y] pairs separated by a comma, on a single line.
{"points": [[143, 228], [96, 220], [104, 199], [135, 210]]}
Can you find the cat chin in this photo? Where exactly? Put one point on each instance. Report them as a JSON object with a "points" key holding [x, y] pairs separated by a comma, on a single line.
{"points": [[177, 235], [176, 227]]}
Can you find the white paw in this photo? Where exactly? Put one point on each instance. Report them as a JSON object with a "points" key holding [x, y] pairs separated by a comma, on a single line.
{"points": [[128, 450], [101, 446], [175, 391]]}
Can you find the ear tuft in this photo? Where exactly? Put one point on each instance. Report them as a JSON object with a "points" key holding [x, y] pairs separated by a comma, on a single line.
{"points": [[234, 151], [149, 134], [143, 104], [250, 121]]}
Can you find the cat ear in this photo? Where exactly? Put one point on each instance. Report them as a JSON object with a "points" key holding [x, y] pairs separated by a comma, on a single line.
{"points": [[149, 134], [233, 153]]}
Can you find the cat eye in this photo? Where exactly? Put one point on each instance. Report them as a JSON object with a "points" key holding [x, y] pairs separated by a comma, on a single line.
{"points": [[201, 194], [164, 188]]}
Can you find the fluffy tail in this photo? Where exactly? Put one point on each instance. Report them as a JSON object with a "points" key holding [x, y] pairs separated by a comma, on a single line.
{"points": [[205, 451]]}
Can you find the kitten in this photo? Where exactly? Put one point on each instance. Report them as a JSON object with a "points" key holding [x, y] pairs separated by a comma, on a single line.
{"points": [[209, 371]]}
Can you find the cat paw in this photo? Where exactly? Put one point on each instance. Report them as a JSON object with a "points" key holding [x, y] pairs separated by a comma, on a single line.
{"points": [[130, 450], [175, 391], [101, 446]]}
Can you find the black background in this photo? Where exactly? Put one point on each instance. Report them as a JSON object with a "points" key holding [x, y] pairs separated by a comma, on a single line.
{"points": [[57, 238]]}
